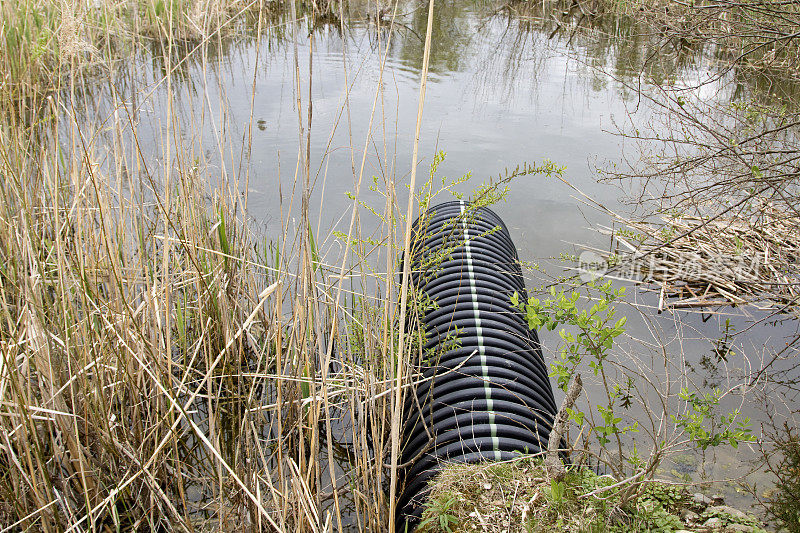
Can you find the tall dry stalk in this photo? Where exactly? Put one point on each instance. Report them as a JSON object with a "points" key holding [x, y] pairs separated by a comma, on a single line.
{"points": [[400, 356]]}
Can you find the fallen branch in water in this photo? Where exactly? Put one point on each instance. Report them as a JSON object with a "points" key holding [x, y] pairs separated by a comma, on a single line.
{"points": [[700, 262]]}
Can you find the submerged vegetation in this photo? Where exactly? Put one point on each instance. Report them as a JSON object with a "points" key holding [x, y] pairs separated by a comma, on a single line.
{"points": [[165, 366]]}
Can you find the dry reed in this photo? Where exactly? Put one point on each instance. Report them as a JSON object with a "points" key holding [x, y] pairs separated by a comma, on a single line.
{"points": [[162, 367]]}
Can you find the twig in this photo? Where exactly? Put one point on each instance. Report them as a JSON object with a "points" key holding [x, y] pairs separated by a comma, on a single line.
{"points": [[552, 463]]}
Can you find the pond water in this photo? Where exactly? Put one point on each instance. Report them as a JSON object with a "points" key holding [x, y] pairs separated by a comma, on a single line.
{"points": [[504, 88]]}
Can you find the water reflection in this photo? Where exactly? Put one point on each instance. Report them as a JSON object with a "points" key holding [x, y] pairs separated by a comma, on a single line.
{"points": [[452, 29]]}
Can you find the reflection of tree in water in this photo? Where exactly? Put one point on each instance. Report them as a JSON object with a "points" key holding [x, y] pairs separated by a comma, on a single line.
{"points": [[520, 41], [512, 57], [450, 37], [620, 45], [765, 90]]}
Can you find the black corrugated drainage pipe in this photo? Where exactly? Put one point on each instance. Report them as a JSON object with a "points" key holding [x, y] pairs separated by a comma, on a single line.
{"points": [[485, 392]]}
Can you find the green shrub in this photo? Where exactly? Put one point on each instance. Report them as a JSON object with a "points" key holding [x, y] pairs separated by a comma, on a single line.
{"points": [[784, 507]]}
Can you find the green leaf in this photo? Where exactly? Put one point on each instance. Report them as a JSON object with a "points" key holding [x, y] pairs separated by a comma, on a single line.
{"points": [[223, 238], [314, 253]]}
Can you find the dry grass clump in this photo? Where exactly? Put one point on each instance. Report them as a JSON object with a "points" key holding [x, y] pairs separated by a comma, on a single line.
{"points": [[158, 370], [127, 323]]}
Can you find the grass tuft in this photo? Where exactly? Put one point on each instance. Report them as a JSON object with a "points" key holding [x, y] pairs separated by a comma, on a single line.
{"points": [[518, 495]]}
